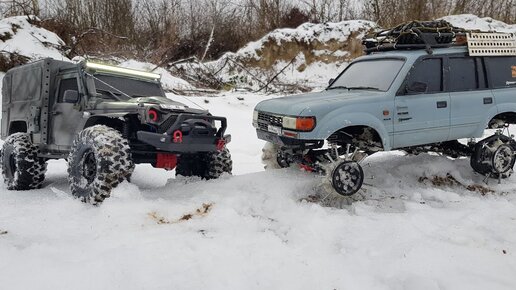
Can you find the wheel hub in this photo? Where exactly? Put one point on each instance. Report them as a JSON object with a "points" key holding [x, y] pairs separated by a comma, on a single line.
{"points": [[347, 178], [502, 159], [89, 166]]}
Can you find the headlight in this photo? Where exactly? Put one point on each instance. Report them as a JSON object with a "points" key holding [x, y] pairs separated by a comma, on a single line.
{"points": [[299, 123], [255, 116], [289, 123]]}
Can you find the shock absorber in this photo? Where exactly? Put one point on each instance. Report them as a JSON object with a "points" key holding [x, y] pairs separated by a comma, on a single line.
{"points": [[126, 129]]}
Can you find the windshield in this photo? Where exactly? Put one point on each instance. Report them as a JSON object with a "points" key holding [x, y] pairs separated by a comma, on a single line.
{"points": [[113, 87], [375, 75]]}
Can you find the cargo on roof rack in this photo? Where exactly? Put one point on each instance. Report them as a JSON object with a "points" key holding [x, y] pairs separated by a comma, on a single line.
{"points": [[491, 43], [439, 34]]}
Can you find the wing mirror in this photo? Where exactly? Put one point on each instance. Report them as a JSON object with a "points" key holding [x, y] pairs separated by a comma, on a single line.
{"points": [[330, 81], [71, 96], [417, 88]]}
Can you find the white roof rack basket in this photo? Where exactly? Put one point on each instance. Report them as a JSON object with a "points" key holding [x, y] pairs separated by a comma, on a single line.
{"points": [[491, 43]]}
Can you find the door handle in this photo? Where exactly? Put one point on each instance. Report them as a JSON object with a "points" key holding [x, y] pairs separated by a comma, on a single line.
{"points": [[442, 104], [404, 119], [488, 101]]}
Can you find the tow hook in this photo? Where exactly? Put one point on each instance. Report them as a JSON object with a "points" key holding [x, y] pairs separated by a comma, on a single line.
{"points": [[178, 136]]}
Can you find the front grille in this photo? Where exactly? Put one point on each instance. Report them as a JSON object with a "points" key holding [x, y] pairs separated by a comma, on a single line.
{"points": [[265, 119], [167, 124]]}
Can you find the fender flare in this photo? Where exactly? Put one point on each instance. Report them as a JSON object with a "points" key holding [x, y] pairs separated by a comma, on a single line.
{"points": [[334, 122], [491, 113]]}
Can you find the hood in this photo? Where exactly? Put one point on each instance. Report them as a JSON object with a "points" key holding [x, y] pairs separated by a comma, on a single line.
{"points": [[302, 105], [135, 103]]}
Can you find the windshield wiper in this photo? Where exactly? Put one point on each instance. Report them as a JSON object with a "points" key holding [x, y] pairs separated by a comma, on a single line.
{"points": [[338, 87], [363, 88]]}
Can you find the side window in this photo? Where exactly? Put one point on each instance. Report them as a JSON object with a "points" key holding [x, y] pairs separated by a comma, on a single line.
{"points": [[501, 71], [430, 72], [64, 85], [463, 74]]}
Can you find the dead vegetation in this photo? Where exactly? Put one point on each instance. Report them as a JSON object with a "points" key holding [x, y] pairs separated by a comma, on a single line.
{"points": [[450, 181], [199, 212], [2, 232]]}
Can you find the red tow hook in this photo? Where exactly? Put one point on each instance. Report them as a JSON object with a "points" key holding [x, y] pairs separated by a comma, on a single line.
{"points": [[220, 144], [306, 168], [177, 137]]}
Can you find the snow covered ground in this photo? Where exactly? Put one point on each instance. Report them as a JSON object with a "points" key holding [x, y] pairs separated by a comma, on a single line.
{"points": [[254, 231]]}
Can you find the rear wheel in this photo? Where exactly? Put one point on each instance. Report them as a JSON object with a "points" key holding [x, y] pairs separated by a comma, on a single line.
{"points": [[99, 160], [494, 156], [209, 165], [22, 169]]}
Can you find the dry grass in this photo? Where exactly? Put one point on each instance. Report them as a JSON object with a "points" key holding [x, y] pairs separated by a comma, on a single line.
{"points": [[199, 212]]}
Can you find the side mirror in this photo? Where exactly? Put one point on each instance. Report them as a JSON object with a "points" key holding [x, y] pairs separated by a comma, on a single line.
{"points": [[330, 81], [417, 88], [71, 96]]}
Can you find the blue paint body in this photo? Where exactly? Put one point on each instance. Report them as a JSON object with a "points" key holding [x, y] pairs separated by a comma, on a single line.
{"points": [[412, 120]]}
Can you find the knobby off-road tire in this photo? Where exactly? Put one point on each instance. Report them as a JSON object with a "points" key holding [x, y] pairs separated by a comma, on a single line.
{"points": [[22, 169], [209, 165], [99, 160], [273, 157]]}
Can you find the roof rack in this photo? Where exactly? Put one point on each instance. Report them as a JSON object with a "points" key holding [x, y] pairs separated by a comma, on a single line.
{"points": [[438, 34]]}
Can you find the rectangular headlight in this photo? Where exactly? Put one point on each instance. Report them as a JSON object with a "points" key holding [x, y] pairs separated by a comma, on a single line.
{"points": [[289, 123]]}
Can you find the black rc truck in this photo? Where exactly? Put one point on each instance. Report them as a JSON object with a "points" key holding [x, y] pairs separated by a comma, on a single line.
{"points": [[103, 120]]}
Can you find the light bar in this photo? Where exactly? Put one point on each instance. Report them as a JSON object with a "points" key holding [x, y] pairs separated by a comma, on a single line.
{"points": [[122, 70]]}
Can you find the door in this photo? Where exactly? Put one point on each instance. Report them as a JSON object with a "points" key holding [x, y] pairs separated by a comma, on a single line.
{"points": [[66, 117], [469, 96], [422, 107]]}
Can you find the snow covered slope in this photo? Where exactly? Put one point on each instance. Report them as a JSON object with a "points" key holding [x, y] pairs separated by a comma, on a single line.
{"points": [[309, 55], [473, 22], [253, 231], [18, 35]]}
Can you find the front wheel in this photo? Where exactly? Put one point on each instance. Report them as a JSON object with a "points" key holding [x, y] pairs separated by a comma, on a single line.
{"points": [[209, 165], [99, 160]]}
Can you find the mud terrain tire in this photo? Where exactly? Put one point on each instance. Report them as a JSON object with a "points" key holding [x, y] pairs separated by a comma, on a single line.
{"points": [[99, 160], [22, 169], [205, 165], [273, 157]]}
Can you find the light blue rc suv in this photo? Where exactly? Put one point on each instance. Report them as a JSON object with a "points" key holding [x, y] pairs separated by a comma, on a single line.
{"points": [[417, 89]]}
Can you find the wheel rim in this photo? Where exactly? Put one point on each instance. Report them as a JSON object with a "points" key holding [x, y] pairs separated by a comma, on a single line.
{"points": [[89, 166], [347, 178], [503, 159]]}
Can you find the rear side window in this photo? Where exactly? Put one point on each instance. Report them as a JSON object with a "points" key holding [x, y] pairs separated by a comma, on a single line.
{"points": [[463, 74], [64, 85], [501, 71], [430, 72]]}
